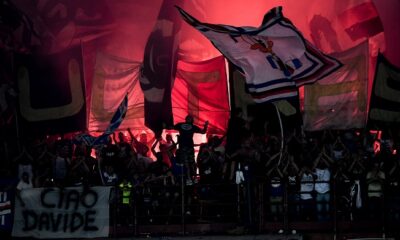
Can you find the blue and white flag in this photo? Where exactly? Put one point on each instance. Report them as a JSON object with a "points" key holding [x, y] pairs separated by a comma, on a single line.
{"points": [[114, 124], [118, 116], [275, 58]]}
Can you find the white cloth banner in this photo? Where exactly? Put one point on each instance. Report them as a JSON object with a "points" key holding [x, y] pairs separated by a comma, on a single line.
{"points": [[275, 58], [62, 213]]}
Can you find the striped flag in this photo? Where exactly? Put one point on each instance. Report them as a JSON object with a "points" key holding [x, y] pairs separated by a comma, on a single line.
{"points": [[385, 98], [275, 58], [118, 116]]}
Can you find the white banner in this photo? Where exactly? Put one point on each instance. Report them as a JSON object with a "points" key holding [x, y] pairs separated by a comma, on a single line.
{"points": [[62, 213]]}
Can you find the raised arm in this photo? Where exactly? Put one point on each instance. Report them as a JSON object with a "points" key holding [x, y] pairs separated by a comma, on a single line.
{"points": [[23, 153], [205, 127], [133, 138], [153, 147], [114, 138]]}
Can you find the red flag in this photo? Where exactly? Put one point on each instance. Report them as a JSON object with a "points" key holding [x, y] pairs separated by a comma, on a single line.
{"points": [[201, 90], [361, 20]]}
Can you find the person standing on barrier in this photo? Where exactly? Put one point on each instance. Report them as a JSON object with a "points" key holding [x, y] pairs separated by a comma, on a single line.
{"points": [[186, 145]]}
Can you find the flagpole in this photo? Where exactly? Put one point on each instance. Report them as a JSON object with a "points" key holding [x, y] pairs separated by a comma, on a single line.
{"points": [[282, 140], [85, 90], [15, 110]]}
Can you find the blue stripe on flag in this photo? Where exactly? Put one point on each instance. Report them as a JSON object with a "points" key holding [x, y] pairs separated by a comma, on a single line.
{"points": [[266, 84], [296, 63], [114, 124], [272, 62], [118, 116], [306, 71]]}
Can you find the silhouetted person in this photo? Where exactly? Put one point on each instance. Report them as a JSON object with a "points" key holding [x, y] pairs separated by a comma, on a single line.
{"points": [[186, 145]]}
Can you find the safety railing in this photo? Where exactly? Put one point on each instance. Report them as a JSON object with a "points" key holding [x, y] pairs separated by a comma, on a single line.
{"points": [[253, 206]]}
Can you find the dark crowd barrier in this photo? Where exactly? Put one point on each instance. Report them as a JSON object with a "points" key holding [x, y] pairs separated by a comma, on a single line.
{"points": [[224, 207], [256, 208]]}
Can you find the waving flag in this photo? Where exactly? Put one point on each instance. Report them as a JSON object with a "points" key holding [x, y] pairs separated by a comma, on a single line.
{"points": [[339, 101], [114, 124], [275, 58], [385, 98], [118, 116]]}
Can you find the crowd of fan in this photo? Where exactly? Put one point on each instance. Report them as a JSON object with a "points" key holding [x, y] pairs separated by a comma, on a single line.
{"points": [[304, 168]]}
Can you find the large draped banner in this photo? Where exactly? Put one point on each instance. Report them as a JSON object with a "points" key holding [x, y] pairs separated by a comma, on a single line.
{"points": [[62, 213], [201, 90], [275, 58], [51, 91], [114, 78], [339, 101], [385, 98], [159, 66], [56, 25]]}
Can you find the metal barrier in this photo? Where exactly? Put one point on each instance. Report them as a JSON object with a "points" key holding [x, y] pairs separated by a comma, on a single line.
{"points": [[251, 205]]}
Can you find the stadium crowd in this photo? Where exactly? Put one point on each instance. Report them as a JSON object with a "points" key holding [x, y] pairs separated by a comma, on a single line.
{"points": [[304, 171]]}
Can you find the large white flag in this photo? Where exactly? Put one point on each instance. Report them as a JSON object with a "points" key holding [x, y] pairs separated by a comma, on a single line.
{"points": [[275, 58]]}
